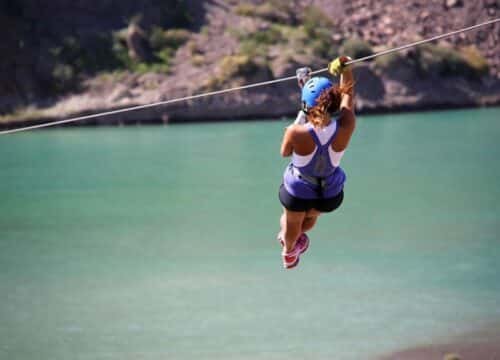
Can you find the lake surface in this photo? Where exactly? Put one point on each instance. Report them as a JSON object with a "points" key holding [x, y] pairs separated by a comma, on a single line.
{"points": [[159, 242]]}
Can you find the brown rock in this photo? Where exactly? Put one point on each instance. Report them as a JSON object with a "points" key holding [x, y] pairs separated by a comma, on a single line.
{"points": [[452, 3], [424, 15], [389, 31], [337, 38], [452, 357], [137, 43], [119, 93]]}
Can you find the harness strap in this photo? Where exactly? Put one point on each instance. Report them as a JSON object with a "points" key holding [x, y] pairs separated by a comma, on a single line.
{"points": [[318, 181]]}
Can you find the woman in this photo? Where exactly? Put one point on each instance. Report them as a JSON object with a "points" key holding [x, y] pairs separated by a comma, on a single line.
{"points": [[313, 182]]}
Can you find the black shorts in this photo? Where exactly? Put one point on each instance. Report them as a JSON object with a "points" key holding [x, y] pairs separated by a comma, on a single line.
{"points": [[293, 203]]}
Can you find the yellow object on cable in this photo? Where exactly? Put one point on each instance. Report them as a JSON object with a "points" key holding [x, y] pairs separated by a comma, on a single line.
{"points": [[337, 66]]}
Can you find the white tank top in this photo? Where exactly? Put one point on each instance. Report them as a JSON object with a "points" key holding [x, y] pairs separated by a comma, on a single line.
{"points": [[323, 135]]}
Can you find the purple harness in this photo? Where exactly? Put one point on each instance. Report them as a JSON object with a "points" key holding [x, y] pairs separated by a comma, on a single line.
{"points": [[319, 178]]}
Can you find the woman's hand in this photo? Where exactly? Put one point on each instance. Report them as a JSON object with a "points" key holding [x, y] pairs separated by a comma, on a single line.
{"points": [[338, 66]]}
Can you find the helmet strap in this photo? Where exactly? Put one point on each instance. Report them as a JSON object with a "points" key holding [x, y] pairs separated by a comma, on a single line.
{"points": [[305, 108]]}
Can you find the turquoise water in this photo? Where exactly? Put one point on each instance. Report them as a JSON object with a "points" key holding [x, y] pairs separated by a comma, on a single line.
{"points": [[158, 242]]}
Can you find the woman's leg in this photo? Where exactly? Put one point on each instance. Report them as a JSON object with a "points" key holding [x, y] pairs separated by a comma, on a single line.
{"points": [[291, 227], [310, 220], [308, 223]]}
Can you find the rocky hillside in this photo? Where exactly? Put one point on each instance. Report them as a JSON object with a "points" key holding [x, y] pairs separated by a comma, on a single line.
{"points": [[76, 57]]}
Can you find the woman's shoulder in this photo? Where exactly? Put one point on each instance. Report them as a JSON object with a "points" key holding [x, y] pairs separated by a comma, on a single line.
{"points": [[298, 129]]}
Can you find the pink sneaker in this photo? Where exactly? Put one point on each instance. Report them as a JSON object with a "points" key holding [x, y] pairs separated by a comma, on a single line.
{"points": [[303, 243], [292, 259]]}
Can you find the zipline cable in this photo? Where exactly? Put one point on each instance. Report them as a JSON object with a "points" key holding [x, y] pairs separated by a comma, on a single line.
{"points": [[243, 87]]}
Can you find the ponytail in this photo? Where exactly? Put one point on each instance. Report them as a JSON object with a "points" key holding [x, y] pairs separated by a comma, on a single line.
{"points": [[327, 104]]}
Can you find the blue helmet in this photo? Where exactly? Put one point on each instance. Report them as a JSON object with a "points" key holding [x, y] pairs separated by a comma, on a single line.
{"points": [[313, 89]]}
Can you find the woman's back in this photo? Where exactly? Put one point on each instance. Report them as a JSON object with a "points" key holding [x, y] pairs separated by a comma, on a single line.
{"points": [[302, 142], [318, 155]]}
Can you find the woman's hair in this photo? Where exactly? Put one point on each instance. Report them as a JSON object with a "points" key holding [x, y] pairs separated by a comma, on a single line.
{"points": [[327, 104]]}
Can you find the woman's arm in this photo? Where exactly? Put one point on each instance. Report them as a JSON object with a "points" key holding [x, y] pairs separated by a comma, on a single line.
{"points": [[286, 144], [347, 80], [347, 120]]}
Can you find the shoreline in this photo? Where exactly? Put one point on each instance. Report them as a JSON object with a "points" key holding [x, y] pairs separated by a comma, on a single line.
{"points": [[481, 344], [487, 350], [390, 93], [116, 121]]}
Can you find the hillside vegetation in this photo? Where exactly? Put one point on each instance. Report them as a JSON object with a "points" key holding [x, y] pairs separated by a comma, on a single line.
{"points": [[64, 58]]}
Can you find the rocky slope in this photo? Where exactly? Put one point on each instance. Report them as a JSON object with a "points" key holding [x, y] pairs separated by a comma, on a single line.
{"points": [[228, 43]]}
